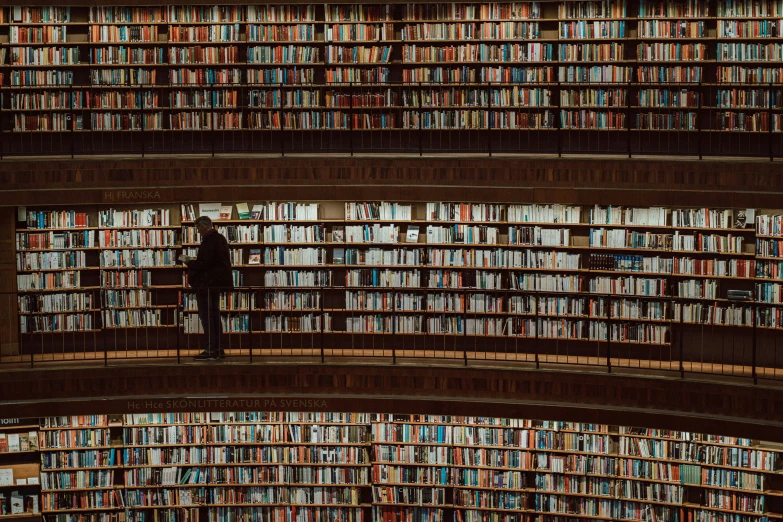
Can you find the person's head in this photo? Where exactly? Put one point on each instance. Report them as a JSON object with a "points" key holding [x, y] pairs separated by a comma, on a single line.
{"points": [[203, 225]]}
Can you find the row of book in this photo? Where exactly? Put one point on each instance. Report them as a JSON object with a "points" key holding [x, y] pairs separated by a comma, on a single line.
{"points": [[440, 211], [621, 308], [628, 310], [297, 74], [483, 11], [428, 31], [678, 242], [411, 32], [440, 120], [437, 279], [285, 13], [686, 9], [491, 11], [156, 253], [530, 52], [693, 451], [657, 217], [671, 28]]}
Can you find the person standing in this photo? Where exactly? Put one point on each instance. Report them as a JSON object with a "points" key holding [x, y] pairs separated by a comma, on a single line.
{"points": [[209, 274]]}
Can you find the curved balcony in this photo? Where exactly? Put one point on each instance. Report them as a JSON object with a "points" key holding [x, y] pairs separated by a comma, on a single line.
{"points": [[703, 377]]}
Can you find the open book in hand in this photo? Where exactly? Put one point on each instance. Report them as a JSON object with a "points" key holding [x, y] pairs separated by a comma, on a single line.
{"points": [[184, 259]]}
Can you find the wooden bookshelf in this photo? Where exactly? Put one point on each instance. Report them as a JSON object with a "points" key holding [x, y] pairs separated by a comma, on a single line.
{"points": [[64, 241], [381, 466], [342, 448], [486, 275], [663, 34], [413, 470], [78, 463], [20, 487], [639, 70]]}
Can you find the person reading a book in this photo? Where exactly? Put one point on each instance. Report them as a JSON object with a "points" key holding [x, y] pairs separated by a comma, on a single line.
{"points": [[209, 273]]}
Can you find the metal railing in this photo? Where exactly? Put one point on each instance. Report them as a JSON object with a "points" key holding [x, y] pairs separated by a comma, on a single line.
{"points": [[484, 118], [259, 325]]}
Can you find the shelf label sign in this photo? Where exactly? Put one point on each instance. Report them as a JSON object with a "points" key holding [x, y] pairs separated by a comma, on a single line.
{"points": [[18, 422], [185, 404], [136, 195]]}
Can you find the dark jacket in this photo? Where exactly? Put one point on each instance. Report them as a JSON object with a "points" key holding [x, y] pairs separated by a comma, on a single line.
{"points": [[212, 266]]}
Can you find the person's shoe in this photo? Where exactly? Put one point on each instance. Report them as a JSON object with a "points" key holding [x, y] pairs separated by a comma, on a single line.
{"points": [[207, 356], [222, 354]]}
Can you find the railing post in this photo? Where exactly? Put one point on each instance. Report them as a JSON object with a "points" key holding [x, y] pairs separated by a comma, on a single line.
{"points": [[250, 328], [212, 121], [558, 126], [465, 327], [143, 124], [180, 315], [261, 326], [699, 120], [73, 121], [19, 321], [609, 337], [628, 115], [323, 320], [281, 127], [103, 329], [19, 337], [418, 119], [680, 337], [538, 361], [394, 315], [755, 323], [2, 142], [771, 121], [18, 318], [350, 117], [489, 123]]}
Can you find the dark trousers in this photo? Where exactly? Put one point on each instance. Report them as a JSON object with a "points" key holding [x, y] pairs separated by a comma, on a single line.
{"points": [[208, 301]]}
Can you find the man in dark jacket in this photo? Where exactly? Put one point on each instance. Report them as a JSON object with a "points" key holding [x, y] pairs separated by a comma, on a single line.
{"points": [[210, 274]]}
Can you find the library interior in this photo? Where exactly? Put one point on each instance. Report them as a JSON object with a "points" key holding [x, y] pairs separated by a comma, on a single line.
{"points": [[513, 261]]}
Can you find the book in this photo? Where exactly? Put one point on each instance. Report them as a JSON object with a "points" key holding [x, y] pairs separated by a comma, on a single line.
{"points": [[188, 212], [210, 210], [6, 477], [226, 211], [338, 234], [412, 236], [17, 503], [186, 497], [745, 218], [13, 442], [242, 211], [3, 443], [24, 444], [339, 256], [255, 257], [257, 212], [31, 502]]}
